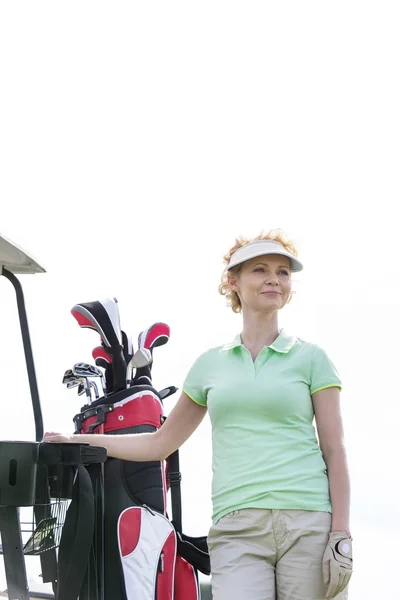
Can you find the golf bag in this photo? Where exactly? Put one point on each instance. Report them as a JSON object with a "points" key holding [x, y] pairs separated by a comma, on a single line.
{"points": [[137, 551]]}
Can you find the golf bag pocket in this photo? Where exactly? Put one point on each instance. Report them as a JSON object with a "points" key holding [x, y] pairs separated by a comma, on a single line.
{"points": [[186, 583], [147, 547]]}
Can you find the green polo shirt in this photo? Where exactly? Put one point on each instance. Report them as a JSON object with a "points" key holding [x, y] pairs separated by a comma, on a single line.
{"points": [[265, 452]]}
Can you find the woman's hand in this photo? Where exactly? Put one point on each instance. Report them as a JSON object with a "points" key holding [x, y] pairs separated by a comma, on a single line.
{"points": [[337, 563], [52, 436]]}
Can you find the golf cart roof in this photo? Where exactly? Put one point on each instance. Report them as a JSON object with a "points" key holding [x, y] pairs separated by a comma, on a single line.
{"points": [[16, 260]]}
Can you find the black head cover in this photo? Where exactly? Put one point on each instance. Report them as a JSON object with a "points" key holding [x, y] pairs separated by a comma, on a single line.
{"points": [[103, 317]]}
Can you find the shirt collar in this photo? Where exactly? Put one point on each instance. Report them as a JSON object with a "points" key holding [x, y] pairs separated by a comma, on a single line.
{"points": [[283, 343]]}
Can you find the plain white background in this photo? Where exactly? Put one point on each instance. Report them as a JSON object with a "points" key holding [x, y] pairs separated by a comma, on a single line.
{"points": [[139, 139]]}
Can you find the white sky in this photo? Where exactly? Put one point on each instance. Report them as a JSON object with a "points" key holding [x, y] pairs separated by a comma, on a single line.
{"points": [[137, 140]]}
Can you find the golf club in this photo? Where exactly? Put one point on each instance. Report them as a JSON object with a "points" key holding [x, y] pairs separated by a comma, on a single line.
{"points": [[104, 360], [96, 390], [73, 383], [83, 372], [141, 358], [104, 318], [68, 376]]}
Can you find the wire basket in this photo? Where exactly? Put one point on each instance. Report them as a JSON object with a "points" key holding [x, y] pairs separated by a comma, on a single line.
{"points": [[42, 530]]}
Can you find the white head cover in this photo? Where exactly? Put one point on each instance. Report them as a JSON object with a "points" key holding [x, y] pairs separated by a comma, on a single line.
{"points": [[260, 248]]}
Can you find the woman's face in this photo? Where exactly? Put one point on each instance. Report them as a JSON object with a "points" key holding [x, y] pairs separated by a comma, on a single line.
{"points": [[264, 283]]}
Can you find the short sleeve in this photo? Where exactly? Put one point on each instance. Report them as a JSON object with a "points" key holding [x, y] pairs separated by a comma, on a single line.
{"points": [[194, 384], [323, 372]]}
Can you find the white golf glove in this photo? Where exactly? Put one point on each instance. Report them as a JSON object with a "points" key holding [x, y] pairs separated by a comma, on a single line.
{"points": [[337, 563]]}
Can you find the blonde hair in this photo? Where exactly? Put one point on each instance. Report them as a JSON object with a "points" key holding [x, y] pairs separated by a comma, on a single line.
{"points": [[232, 297]]}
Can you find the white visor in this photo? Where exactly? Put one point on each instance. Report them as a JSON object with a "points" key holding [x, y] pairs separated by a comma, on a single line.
{"points": [[260, 248]]}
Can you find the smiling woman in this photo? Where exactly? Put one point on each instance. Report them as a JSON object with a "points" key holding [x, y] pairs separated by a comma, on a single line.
{"points": [[279, 496], [237, 256]]}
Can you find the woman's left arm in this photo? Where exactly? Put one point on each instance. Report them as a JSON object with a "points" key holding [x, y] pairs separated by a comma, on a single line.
{"points": [[331, 440]]}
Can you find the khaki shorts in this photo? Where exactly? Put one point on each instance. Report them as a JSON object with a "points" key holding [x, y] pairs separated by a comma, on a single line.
{"points": [[260, 554]]}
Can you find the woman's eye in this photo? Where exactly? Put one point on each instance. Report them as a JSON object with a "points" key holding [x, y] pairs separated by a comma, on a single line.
{"points": [[284, 272]]}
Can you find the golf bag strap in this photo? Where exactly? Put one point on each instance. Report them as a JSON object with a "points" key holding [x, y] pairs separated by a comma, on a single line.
{"points": [[193, 550], [175, 477], [76, 538]]}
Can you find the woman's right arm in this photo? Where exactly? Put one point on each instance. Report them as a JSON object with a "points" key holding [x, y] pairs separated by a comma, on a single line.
{"points": [[183, 420]]}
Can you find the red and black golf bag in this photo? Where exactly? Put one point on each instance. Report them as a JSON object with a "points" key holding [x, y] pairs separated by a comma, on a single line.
{"points": [[137, 551]]}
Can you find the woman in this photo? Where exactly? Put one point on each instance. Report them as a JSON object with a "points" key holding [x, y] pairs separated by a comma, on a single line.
{"points": [[280, 498]]}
